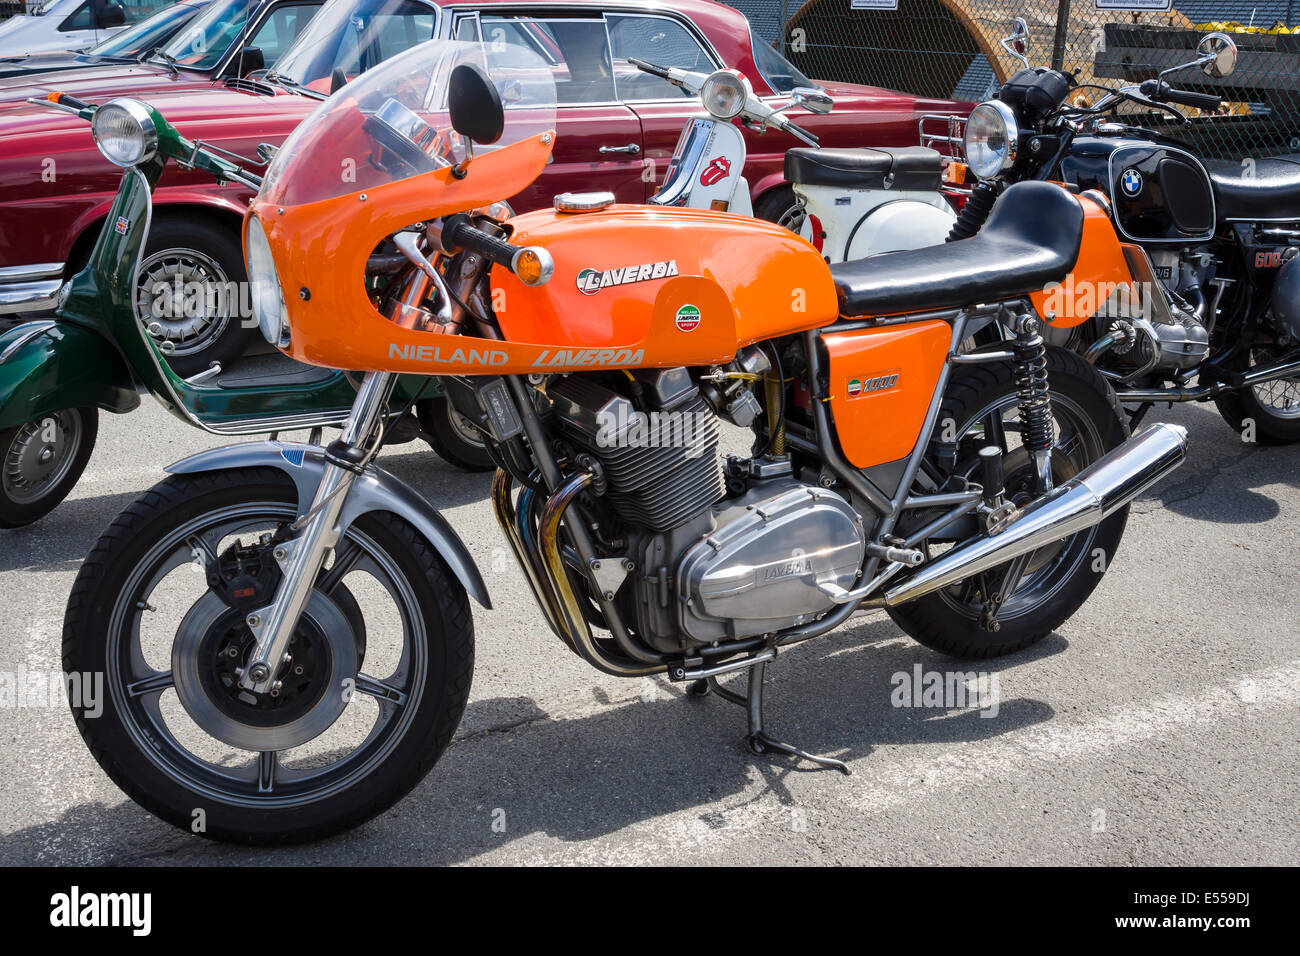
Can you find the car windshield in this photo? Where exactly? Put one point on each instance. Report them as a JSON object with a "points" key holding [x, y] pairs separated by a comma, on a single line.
{"points": [[394, 122], [202, 43], [781, 75], [353, 36], [146, 34]]}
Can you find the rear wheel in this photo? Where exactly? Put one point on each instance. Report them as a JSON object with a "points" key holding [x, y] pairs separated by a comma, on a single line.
{"points": [[782, 206], [40, 462], [453, 436], [981, 406], [1268, 413], [376, 681]]}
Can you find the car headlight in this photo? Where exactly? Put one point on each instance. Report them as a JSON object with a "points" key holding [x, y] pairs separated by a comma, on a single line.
{"points": [[992, 138], [124, 131], [724, 94], [266, 294]]}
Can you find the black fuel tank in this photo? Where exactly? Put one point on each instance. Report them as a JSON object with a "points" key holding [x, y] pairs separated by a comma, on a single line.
{"points": [[1160, 193]]}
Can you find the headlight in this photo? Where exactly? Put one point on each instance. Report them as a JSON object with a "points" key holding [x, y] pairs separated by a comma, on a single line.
{"points": [[724, 94], [268, 299], [991, 139], [124, 132]]}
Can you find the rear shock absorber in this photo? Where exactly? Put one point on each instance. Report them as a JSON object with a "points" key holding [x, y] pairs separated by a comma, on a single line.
{"points": [[977, 208], [1033, 398]]}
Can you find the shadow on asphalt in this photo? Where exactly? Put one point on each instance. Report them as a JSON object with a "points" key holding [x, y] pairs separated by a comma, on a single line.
{"points": [[576, 778]]}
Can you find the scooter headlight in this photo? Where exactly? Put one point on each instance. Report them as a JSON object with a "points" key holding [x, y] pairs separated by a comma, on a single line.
{"points": [[125, 132], [267, 296], [992, 138], [724, 94]]}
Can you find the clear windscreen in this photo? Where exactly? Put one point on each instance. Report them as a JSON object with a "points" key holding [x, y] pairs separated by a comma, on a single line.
{"points": [[394, 121]]}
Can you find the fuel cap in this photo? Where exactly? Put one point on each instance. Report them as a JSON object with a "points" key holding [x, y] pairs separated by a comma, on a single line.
{"points": [[583, 202]]}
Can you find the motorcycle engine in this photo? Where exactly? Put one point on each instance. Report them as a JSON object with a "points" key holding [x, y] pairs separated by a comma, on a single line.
{"points": [[705, 567], [1172, 333]]}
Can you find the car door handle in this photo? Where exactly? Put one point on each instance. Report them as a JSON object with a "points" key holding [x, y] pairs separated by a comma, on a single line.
{"points": [[632, 149]]}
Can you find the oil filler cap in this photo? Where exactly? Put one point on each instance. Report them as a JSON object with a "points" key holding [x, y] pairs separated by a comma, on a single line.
{"points": [[583, 202]]}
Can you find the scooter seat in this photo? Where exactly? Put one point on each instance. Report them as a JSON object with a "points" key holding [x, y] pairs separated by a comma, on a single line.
{"points": [[1031, 238], [1267, 189], [907, 167]]}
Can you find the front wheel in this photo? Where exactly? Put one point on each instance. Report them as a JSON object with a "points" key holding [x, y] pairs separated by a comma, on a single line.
{"points": [[41, 461], [374, 683], [980, 409]]}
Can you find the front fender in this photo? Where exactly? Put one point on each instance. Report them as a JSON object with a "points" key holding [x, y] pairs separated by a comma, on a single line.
{"points": [[375, 490], [48, 366]]}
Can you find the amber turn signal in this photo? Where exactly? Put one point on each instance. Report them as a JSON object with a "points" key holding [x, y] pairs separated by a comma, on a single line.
{"points": [[533, 266]]}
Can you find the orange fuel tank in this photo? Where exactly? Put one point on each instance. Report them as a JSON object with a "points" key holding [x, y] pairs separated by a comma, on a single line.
{"points": [[660, 286]]}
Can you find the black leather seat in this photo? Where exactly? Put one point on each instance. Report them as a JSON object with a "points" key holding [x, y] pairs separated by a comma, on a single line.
{"points": [[1031, 238], [908, 167], [1271, 190]]}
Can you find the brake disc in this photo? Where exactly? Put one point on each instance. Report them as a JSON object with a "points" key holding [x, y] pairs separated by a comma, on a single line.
{"points": [[213, 642]]}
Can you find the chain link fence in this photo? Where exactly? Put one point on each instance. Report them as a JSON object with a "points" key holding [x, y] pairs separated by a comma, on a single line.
{"points": [[950, 49]]}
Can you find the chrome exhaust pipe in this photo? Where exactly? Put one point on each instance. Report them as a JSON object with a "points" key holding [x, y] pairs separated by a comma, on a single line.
{"points": [[1087, 499]]}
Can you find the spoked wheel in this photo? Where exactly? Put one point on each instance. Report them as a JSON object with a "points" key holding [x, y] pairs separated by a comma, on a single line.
{"points": [[1270, 412], [187, 295], [373, 686], [40, 462], [1055, 580]]}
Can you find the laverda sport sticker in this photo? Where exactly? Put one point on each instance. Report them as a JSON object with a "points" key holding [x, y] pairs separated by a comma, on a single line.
{"points": [[590, 281], [688, 318]]}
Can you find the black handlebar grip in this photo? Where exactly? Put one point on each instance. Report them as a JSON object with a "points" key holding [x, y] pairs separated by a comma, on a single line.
{"points": [[648, 67], [460, 232], [64, 99], [1164, 93]]}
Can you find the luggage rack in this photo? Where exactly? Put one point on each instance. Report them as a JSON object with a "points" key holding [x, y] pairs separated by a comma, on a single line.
{"points": [[946, 133]]}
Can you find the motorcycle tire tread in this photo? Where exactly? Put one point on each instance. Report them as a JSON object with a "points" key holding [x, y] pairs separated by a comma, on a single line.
{"points": [[455, 632]]}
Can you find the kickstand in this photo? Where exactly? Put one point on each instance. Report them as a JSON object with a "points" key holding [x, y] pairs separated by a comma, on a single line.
{"points": [[758, 740]]}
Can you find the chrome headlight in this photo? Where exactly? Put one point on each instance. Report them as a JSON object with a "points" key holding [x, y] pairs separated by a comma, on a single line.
{"points": [[124, 131], [992, 138], [266, 294], [724, 94]]}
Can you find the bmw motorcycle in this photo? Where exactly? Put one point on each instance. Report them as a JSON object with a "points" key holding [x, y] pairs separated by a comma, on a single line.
{"points": [[285, 629], [1215, 314]]}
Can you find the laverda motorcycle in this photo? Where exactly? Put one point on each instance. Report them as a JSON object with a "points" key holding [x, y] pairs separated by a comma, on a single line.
{"points": [[57, 375], [852, 203], [284, 629], [1211, 243]]}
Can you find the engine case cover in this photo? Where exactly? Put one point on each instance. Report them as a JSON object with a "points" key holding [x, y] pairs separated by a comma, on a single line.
{"points": [[760, 569]]}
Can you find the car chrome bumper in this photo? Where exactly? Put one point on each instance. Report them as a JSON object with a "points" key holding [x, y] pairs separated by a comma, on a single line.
{"points": [[29, 288]]}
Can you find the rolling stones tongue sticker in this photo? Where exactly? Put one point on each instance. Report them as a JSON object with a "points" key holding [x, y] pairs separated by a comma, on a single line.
{"points": [[715, 172], [688, 318]]}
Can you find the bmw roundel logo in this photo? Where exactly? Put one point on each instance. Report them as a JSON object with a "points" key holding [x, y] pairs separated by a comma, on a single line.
{"points": [[1131, 182]]}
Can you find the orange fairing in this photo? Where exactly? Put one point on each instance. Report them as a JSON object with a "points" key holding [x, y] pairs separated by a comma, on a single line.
{"points": [[1099, 272], [881, 384], [672, 287]]}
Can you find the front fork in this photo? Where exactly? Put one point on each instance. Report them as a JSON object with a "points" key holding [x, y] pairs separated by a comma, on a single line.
{"points": [[302, 557]]}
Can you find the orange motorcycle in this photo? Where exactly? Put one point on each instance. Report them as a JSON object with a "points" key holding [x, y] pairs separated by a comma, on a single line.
{"points": [[316, 665]]}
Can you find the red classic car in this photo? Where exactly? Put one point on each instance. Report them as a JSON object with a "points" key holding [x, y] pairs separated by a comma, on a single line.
{"points": [[617, 129]]}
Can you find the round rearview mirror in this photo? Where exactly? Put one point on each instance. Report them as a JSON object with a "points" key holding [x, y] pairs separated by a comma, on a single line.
{"points": [[474, 105], [812, 99], [1020, 36], [1218, 55]]}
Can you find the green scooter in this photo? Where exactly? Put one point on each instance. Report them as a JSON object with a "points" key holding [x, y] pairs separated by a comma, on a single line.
{"points": [[56, 375]]}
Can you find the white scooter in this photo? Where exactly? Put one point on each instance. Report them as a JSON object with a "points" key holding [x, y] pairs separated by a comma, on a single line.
{"points": [[854, 203]]}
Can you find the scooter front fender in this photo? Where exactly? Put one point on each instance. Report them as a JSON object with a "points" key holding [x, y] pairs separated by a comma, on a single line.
{"points": [[48, 366], [375, 490]]}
